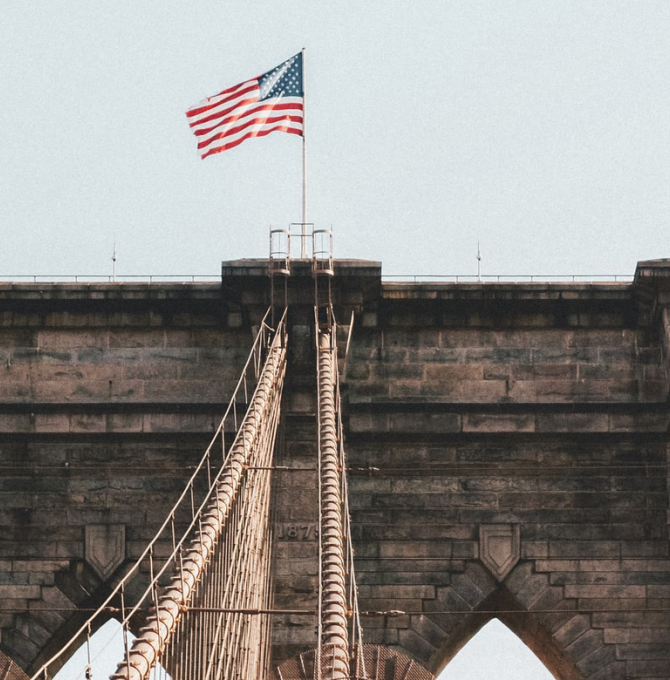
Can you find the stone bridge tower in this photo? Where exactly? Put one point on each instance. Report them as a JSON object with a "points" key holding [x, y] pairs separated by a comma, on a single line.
{"points": [[508, 446]]}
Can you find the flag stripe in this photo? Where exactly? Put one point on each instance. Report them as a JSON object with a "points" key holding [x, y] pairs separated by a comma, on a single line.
{"points": [[222, 113], [249, 135], [272, 102], [240, 114], [295, 122], [218, 99]]}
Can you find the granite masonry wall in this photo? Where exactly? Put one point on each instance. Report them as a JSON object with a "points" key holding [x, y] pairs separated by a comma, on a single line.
{"points": [[508, 451], [508, 446], [108, 397]]}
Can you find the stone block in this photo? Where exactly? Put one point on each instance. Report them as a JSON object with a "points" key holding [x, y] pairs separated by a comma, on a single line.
{"points": [[556, 565], [501, 355], [15, 422], [572, 630], [604, 604], [465, 549], [630, 619], [525, 585], [428, 630], [447, 601], [656, 591], [397, 371], [397, 592], [440, 356], [573, 422], [597, 658], [416, 577], [584, 549], [369, 319], [645, 548], [590, 578], [639, 422], [534, 549], [618, 592], [415, 549], [425, 422], [652, 669], [382, 636], [498, 423], [560, 391], [530, 501], [13, 391], [385, 532], [19, 592], [473, 593], [408, 606], [543, 371]]}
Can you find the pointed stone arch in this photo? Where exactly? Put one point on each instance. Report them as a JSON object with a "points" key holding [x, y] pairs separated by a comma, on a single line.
{"points": [[107, 651], [62, 634], [528, 626], [564, 639], [62, 609], [494, 649], [57, 608]]}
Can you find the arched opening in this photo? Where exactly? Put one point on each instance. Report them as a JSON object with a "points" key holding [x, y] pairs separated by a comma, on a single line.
{"points": [[103, 652], [530, 631], [495, 652]]}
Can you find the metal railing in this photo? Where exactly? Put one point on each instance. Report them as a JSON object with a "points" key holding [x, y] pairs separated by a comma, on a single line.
{"points": [[400, 278], [101, 278], [508, 278]]}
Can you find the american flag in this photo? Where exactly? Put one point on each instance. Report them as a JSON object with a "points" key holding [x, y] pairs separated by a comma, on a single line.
{"points": [[254, 108]]}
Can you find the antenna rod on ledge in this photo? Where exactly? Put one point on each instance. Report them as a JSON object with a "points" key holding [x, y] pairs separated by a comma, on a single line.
{"points": [[479, 263]]}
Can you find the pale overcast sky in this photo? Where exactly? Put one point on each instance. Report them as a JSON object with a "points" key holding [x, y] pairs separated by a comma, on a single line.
{"points": [[539, 127]]}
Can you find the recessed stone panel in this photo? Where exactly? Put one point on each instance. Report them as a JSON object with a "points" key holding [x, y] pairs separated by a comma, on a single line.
{"points": [[499, 548], [105, 548]]}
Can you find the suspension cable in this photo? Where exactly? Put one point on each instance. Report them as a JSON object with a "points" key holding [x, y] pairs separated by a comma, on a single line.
{"points": [[334, 632]]}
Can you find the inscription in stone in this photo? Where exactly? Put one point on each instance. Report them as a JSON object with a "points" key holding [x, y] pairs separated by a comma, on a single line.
{"points": [[286, 531]]}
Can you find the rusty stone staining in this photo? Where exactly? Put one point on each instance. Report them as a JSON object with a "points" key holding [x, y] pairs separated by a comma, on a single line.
{"points": [[499, 548]]}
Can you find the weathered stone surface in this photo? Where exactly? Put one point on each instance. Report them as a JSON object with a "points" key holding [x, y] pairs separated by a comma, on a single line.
{"points": [[537, 406]]}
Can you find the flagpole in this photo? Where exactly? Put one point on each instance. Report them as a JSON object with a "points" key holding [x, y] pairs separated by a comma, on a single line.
{"points": [[303, 249]]}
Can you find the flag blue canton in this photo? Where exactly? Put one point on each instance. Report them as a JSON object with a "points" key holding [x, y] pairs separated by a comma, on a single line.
{"points": [[283, 81]]}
